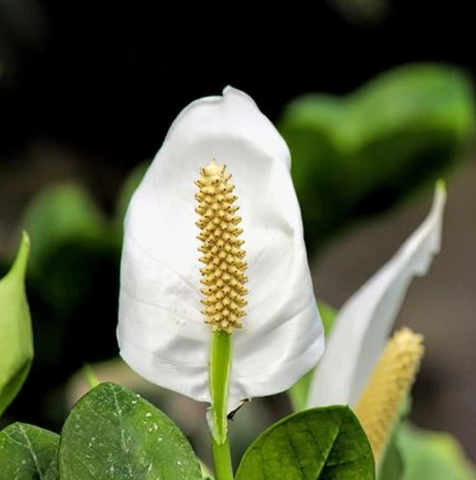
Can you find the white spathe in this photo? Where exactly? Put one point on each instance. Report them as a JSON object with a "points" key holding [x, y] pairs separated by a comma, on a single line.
{"points": [[162, 334], [364, 322]]}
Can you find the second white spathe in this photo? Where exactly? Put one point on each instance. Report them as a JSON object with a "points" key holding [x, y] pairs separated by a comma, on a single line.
{"points": [[363, 324]]}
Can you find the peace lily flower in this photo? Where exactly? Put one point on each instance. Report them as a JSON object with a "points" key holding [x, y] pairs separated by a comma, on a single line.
{"points": [[364, 322], [214, 243]]}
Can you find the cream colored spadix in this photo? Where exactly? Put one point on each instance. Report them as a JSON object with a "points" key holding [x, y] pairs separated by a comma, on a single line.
{"points": [[223, 275], [162, 333], [364, 322], [388, 387]]}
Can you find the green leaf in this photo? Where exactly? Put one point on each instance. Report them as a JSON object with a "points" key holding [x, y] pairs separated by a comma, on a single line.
{"points": [[321, 443], [431, 455], [113, 433], [28, 453], [52, 473], [299, 392], [16, 338], [399, 132]]}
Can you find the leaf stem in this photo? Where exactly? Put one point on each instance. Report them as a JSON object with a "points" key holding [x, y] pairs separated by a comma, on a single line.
{"points": [[220, 366]]}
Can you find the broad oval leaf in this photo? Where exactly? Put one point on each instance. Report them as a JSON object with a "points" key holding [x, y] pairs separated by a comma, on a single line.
{"points": [[321, 443], [113, 433], [28, 453], [16, 338]]}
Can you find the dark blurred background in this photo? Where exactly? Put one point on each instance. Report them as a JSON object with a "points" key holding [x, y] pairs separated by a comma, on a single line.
{"points": [[103, 80], [88, 90]]}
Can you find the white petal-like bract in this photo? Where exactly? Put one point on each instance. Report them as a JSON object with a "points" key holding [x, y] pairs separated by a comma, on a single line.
{"points": [[364, 322], [162, 334]]}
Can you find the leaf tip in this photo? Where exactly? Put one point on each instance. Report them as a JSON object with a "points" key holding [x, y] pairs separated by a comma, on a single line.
{"points": [[440, 188], [21, 259]]}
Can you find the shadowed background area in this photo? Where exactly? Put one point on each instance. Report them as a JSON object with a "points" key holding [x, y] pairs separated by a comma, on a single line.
{"points": [[87, 92]]}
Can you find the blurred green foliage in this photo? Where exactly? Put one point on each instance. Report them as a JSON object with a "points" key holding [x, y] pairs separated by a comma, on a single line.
{"points": [[73, 276], [432, 455], [66, 213], [414, 453], [69, 236], [359, 155], [392, 466]]}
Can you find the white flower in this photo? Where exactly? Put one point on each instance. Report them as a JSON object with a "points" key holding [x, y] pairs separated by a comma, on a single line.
{"points": [[162, 333], [363, 324]]}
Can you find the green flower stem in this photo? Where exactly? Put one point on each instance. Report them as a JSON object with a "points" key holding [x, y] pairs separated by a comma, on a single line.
{"points": [[220, 366], [222, 460]]}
